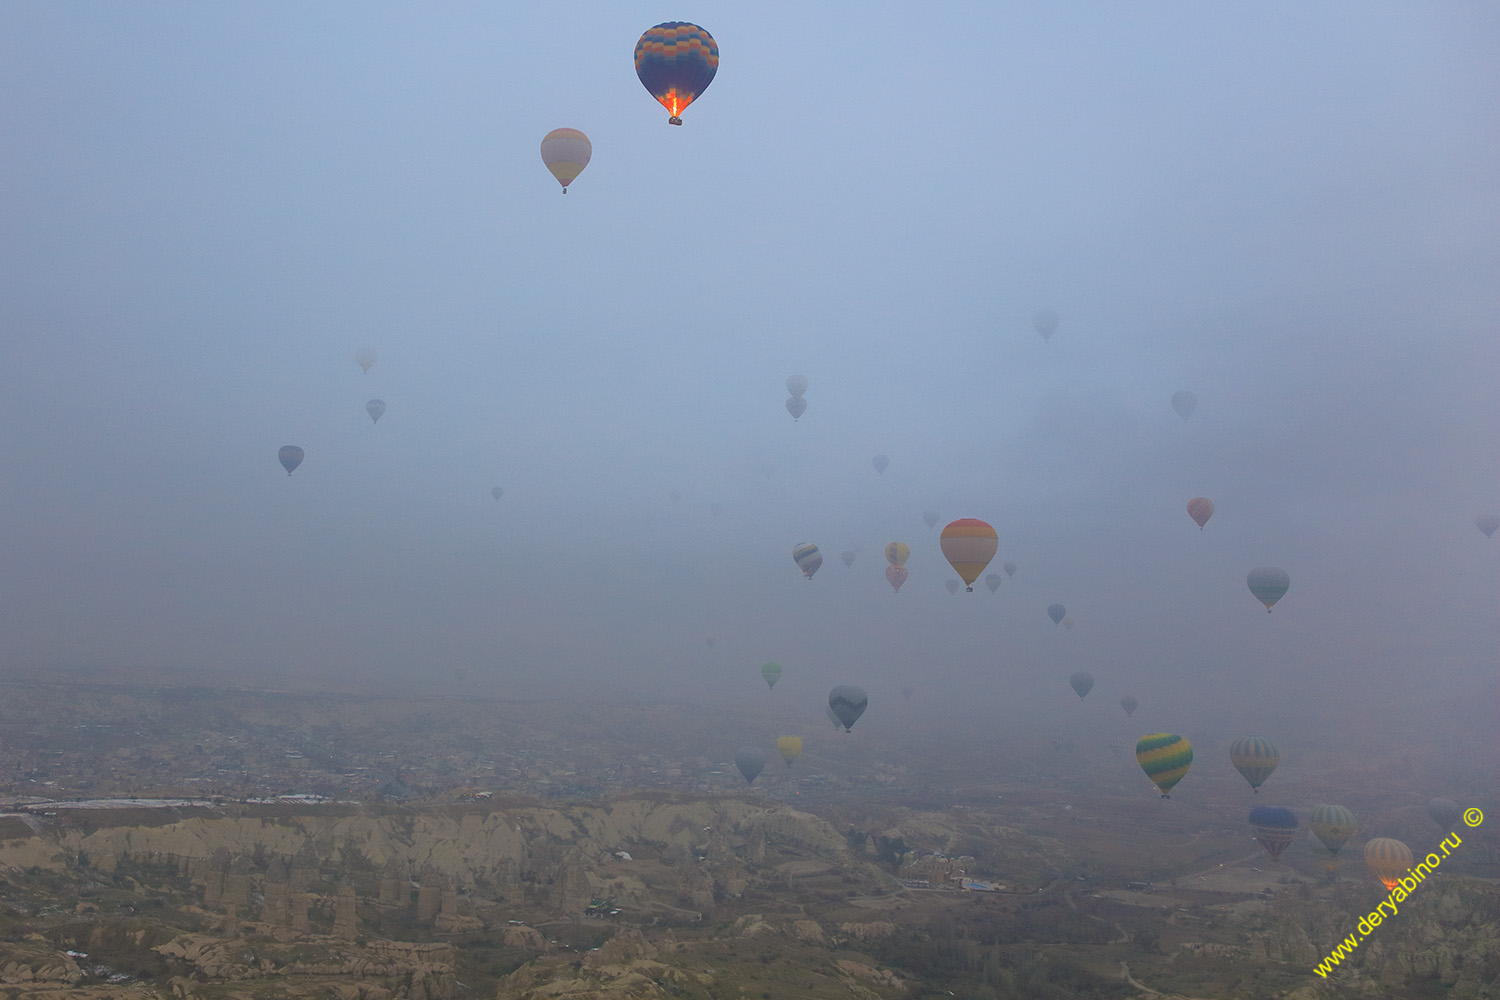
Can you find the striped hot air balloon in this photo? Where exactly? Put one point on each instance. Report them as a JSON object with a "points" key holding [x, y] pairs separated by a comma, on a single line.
{"points": [[1255, 758], [1274, 828], [896, 553], [968, 544], [1333, 825], [1389, 859], [676, 61], [1165, 757], [807, 558], [566, 151]]}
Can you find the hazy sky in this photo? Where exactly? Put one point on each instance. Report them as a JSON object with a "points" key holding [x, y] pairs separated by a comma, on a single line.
{"points": [[1292, 210]]}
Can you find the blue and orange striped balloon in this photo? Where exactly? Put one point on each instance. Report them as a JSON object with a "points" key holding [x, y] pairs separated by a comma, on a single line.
{"points": [[676, 61]]}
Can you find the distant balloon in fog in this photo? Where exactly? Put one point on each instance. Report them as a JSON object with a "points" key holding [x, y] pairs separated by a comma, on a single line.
{"points": [[1184, 402], [496, 492], [1487, 523], [828, 711], [1165, 757], [1010, 569], [365, 357], [896, 553], [1056, 612], [1067, 622], [772, 673], [907, 691], [952, 586], [1333, 825], [1445, 813], [807, 558], [1268, 584], [1129, 704], [290, 456], [848, 556], [895, 576], [1389, 859], [1082, 683], [931, 517], [750, 761], [1274, 828], [1255, 758], [796, 385], [790, 748], [847, 702], [796, 406], [881, 463], [376, 409], [968, 544], [1045, 323], [993, 582], [1200, 509]]}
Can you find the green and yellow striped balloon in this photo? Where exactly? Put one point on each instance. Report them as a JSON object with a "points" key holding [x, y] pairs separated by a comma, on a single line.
{"points": [[1165, 757], [1255, 758]]}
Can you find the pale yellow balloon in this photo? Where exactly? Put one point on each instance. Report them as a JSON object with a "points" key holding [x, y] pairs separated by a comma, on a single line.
{"points": [[790, 748], [566, 151]]}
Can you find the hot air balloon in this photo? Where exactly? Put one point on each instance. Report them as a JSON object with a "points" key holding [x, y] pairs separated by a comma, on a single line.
{"points": [[1268, 583], [895, 576], [1274, 828], [796, 406], [1067, 622], [953, 586], [1010, 569], [1082, 682], [1200, 509], [1056, 612], [750, 760], [290, 456], [790, 748], [881, 463], [968, 544], [847, 702], [1255, 758], [1165, 758], [566, 151], [676, 62], [828, 711], [496, 492], [1487, 523], [796, 385], [907, 691], [1445, 813], [896, 553], [1333, 825], [848, 556], [376, 409], [1046, 323], [772, 673], [709, 641], [931, 517], [807, 558], [1389, 859], [1129, 704], [993, 582], [1184, 402], [365, 357]]}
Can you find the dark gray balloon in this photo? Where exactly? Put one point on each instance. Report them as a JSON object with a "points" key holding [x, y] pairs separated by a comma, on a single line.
{"points": [[1445, 813], [1056, 612], [290, 456], [750, 760], [847, 702], [1083, 682]]}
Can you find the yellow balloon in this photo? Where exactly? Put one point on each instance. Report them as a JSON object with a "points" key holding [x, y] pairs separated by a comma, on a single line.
{"points": [[790, 748], [566, 151]]}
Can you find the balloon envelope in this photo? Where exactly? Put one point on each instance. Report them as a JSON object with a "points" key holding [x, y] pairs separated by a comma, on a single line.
{"points": [[772, 673], [1010, 569], [566, 151], [1165, 757], [796, 385], [676, 61], [1487, 523], [848, 556], [847, 702], [376, 409], [750, 761], [1046, 323], [1333, 825], [1268, 584], [828, 711], [1389, 859], [1082, 682], [290, 456], [1067, 622], [1200, 509], [896, 553], [953, 586], [993, 582], [968, 544], [496, 492], [931, 517], [807, 558], [895, 576], [365, 357], [1445, 813], [1056, 612], [796, 406], [790, 748], [881, 463], [1274, 828], [1129, 704], [1184, 402], [1255, 758]]}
